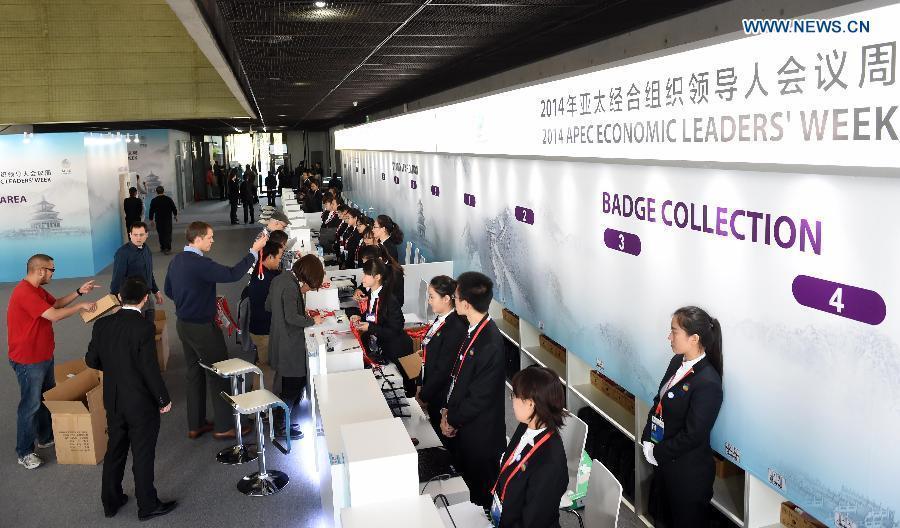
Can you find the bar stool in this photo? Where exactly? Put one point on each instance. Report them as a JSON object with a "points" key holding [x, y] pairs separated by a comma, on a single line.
{"points": [[264, 482], [236, 369]]}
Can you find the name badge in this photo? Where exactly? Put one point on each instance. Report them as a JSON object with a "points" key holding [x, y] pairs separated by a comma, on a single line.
{"points": [[370, 318], [496, 511], [657, 429]]}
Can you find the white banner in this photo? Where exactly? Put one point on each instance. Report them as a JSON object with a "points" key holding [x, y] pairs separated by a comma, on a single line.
{"points": [[822, 98]]}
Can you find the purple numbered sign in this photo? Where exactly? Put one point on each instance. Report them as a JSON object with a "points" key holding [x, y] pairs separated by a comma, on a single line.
{"points": [[383, 177], [435, 190], [622, 241], [859, 304], [469, 199], [397, 180], [525, 215], [413, 184]]}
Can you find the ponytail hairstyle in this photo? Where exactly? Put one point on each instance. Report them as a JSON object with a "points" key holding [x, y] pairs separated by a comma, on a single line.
{"points": [[395, 235], [695, 320], [376, 266], [444, 286]]}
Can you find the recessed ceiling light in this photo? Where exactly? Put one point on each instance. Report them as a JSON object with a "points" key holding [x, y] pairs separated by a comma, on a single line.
{"points": [[321, 4], [240, 117], [282, 115], [355, 103], [300, 83]]}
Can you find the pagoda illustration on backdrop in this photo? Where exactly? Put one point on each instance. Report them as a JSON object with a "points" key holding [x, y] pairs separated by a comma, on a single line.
{"points": [[44, 221]]}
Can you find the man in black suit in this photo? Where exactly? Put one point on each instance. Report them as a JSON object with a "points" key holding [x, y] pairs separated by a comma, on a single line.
{"points": [[475, 413], [134, 208], [122, 346], [234, 194], [162, 211]]}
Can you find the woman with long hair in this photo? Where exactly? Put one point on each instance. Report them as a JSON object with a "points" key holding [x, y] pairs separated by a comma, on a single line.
{"points": [[388, 234], [676, 437], [439, 348]]}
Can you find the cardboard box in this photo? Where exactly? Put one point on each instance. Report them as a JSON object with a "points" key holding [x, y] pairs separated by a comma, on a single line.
{"points": [[78, 415], [612, 389], [556, 350], [794, 517], [162, 340], [725, 469], [510, 318], [105, 305]]}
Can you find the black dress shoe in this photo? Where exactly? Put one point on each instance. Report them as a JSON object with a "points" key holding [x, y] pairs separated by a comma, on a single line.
{"points": [[162, 508], [113, 512]]}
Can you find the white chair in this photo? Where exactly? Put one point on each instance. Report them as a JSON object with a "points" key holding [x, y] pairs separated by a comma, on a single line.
{"points": [[604, 496], [574, 435]]}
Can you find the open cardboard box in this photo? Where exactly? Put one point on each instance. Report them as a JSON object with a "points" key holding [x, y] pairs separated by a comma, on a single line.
{"points": [[162, 339], [78, 415], [105, 305]]}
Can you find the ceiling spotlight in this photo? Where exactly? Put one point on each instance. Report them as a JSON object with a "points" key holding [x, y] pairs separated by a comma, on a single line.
{"points": [[355, 103], [136, 139], [321, 4], [238, 130]]}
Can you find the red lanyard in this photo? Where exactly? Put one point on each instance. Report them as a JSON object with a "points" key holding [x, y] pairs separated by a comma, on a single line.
{"points": [[510, 460], [424, 345], [672, 383], [465, 352]]}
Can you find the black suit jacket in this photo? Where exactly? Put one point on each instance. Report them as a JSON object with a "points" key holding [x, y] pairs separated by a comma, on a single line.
{"points": [[689, 415], [353, 243], [162, 209], [122, 346], [234, 190], [440, 355], [476, 407], [134, 208], [391, 249], [533, 494], [392, 338]]}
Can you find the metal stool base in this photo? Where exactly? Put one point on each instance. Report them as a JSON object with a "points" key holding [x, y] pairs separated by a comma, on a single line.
{"points": [[237, 454], [256, 486]]}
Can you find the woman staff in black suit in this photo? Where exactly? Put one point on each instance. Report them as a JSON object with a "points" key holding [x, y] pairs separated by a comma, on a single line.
{"points": [[676, 436], [388, 234], [381, 325], [530, 499], [439, 348]]}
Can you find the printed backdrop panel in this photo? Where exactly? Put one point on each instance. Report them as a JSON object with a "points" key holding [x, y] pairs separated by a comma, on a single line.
{"points": [[44, 204], [795, 266]]}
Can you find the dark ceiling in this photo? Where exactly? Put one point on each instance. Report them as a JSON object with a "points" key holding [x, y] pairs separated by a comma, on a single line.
{"points": [[303, 66]]}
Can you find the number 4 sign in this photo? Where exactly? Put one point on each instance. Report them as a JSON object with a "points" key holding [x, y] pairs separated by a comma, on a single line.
{"points": [[843, 300]]}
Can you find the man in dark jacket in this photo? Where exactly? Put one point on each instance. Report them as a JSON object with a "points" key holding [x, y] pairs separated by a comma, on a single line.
{"points": [[475, 411], [162, 211], [220, 179], [191, 283], [271, 188], [248, 195], [234, 194], [134, 208], [135, 260], [123, 347]]}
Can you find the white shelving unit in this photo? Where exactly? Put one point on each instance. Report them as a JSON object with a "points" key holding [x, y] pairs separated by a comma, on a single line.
{"points": [[743, 499]]}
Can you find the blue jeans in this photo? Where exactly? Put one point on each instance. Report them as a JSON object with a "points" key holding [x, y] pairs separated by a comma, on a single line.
{"points": [[33, 419]]}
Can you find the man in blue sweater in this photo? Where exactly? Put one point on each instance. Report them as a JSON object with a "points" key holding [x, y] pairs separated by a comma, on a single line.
{"points": [[191, 283], [134, 260]]}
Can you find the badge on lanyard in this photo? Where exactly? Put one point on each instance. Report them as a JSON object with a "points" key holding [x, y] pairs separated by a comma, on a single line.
{"points": [[370, 317], [657, 429], [496, 510]]}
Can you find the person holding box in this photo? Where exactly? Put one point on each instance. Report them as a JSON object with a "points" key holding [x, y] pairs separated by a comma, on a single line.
{"points": [[30, 341]]}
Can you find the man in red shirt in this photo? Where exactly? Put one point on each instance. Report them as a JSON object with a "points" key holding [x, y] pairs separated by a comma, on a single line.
{"points": [[29, 322]]}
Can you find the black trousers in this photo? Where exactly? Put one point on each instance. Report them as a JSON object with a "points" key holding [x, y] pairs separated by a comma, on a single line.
{"points": [[234, 205], [248, 209], [165, 236], [292, 392], [270, 194], [204, 342], [139, 431], [681, 490], [478, 464]]}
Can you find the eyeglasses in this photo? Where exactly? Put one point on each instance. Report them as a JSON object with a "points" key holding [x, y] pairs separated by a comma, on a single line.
{"points": [[51, 270]]}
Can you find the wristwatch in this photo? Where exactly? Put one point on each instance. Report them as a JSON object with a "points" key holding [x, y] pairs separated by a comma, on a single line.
{"points": [[78, 291]]}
